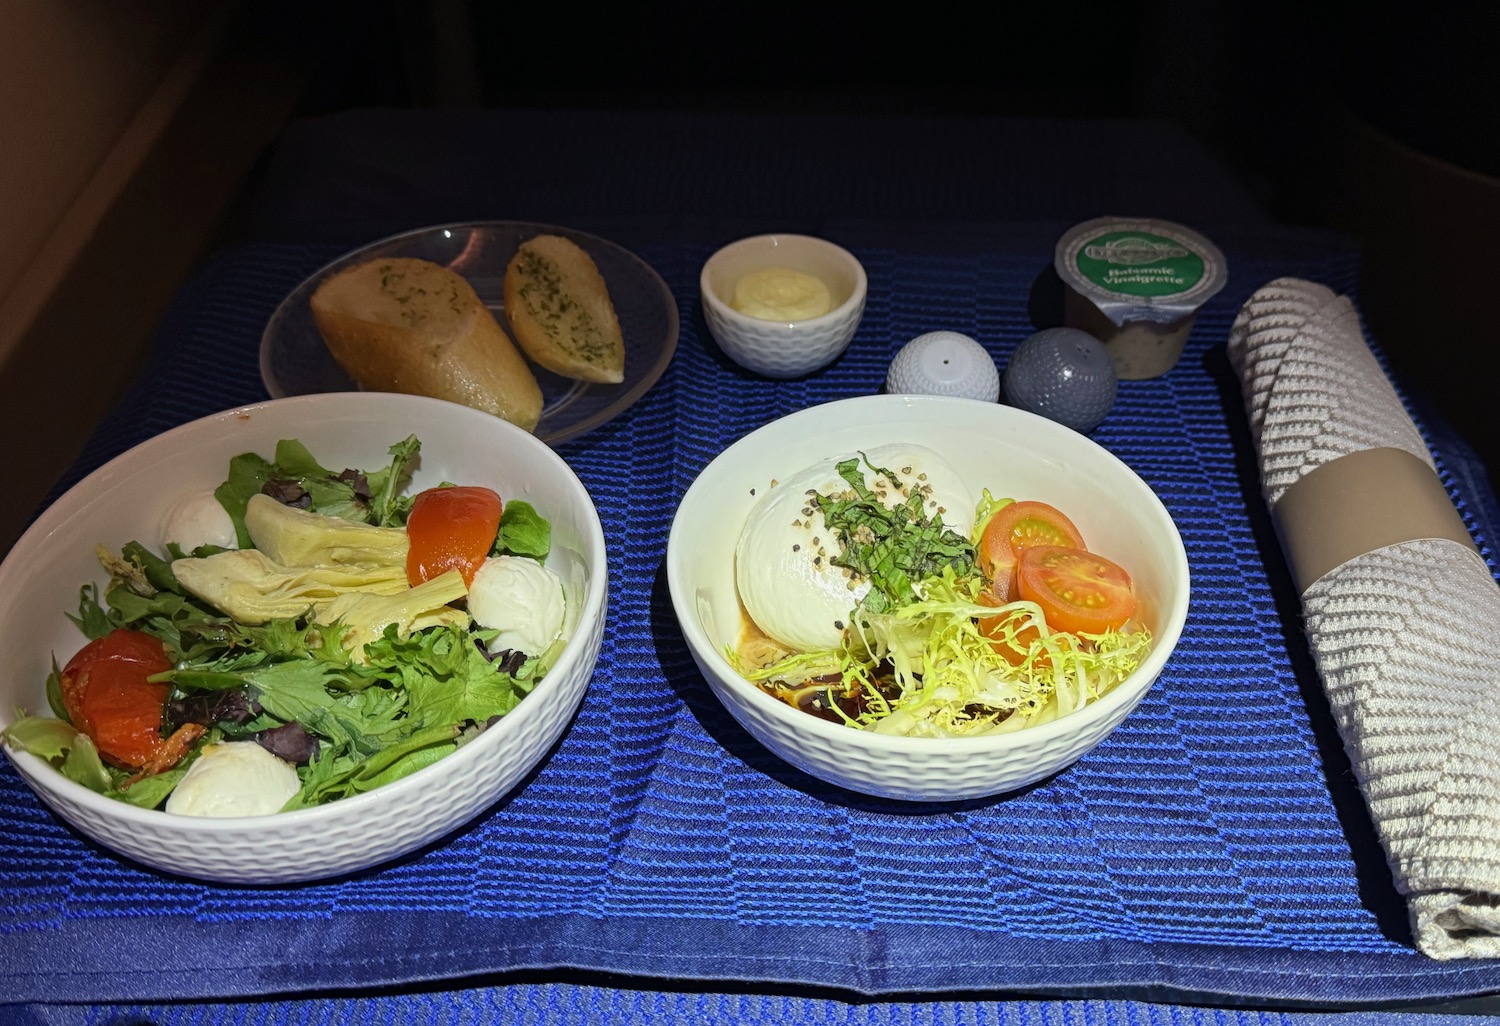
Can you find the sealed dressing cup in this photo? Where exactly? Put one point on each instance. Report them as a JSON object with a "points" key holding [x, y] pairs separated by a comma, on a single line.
{"points": [[1136, 284]]}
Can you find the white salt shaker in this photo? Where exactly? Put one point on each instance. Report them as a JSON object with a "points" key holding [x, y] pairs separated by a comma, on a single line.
{"points": [[944, 363]]}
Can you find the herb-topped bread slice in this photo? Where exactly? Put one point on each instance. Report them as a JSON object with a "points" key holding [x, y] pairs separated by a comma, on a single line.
{"points": [[397, 324], [560, 311]]}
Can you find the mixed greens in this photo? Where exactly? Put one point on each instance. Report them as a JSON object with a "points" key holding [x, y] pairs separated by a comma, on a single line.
{"points": [[364, 683]]}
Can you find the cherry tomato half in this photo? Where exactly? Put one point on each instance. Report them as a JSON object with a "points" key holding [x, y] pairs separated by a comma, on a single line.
{"points": [[450, 529], [1012, 531], [108, 697], [1078, 591], [1013, 649]]}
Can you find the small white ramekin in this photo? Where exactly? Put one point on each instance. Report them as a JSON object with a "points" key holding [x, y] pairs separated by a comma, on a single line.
{"points": [[783, 349]]}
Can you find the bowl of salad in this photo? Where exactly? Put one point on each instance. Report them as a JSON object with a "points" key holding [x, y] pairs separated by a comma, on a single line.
{"points": [[926, 598], [362, 618]]}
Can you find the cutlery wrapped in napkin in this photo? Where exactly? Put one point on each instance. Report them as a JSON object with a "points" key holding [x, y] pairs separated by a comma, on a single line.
{"points": [[1401, 612]]}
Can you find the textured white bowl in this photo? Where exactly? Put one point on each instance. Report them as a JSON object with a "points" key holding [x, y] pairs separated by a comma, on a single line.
{"points": [[1011, 452], [783, 349], [124, 501]]}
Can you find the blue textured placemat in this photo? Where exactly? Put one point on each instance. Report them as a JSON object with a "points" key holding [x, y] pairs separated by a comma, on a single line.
{"points": [[598, 1006], [1214, 848]]}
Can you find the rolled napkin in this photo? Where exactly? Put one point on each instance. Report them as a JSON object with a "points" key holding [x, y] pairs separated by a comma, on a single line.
{"points": [[1401, 612]]}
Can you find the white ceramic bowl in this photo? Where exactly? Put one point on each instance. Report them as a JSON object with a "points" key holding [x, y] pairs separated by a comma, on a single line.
{"points": [[124, 501], [1011, 452], [783, 349]]}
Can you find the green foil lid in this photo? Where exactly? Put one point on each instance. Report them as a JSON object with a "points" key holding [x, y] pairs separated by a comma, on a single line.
{"points": [[1140, 269]]}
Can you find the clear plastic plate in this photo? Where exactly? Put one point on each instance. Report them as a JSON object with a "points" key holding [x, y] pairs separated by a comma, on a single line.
{"points": [[295, 361]]}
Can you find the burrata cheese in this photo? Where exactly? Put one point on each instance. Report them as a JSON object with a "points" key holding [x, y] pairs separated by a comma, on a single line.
{"points": [[234, 778], [783, 560]]}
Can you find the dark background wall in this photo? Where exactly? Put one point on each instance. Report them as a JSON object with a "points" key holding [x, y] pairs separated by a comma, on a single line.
{"points": [[1378, 120]]}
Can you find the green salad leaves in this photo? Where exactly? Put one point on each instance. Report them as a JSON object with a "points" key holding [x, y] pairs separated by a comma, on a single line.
{"points": [[353, 716], [368, 497]]}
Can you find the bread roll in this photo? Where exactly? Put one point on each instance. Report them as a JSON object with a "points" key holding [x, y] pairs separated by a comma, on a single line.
{"points": [[397, 324], [560, 311]]}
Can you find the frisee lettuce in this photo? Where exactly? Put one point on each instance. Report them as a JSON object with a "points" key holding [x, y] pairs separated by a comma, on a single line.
{"points": [[987, 508], [925, 669]]}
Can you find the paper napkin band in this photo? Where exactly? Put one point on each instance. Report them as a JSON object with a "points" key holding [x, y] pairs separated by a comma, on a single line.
{"points": [[1358, 503]]}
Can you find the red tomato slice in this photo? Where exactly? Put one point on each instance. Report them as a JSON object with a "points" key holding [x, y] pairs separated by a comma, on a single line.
{"points": [[1015, 529], [108, 697], [1078, 591], [450, 529], [1012, 650]]}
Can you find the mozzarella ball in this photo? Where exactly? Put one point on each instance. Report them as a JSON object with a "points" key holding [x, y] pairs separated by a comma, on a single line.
{"points": [[195, 519], [783, 561], [235, 778], [521, 599]]}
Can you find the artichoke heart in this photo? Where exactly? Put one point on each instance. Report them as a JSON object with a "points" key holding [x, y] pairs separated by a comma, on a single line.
{"points": [[367, 614], [298, 538], [249, 586], [330, 570]]}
